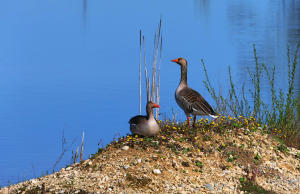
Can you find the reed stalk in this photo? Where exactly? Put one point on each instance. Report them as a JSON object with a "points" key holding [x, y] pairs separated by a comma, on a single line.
{"points": [[146, 73], [81, 149], [140, 76], [76, 155], [158, 84], [152, 82]]}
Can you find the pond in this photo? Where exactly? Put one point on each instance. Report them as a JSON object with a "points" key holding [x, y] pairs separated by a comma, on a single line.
{"points": [[72, 66]]}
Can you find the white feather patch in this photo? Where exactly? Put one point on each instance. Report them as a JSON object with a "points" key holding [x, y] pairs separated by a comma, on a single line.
{"points": [[195, 109], [213, 116]]}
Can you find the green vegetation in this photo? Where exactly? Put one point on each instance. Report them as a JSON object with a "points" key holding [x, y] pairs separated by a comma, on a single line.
{"points": [[278, 115], [281, 148], [249, 186], [199, 164], [257, 158]]}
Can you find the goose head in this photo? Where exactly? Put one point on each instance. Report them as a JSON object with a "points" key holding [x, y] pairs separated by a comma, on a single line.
{"points": [[180, 61], [151, 105]]}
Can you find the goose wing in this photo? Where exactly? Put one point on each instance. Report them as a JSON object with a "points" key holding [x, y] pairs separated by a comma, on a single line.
{"points": [[138, 120], [194, 103]]}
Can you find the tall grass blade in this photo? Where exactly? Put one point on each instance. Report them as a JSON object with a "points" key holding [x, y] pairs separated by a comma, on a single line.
{"points": [[81, 149], [152, 80], [279, 114], [140, 76], [146, 73], [76, 155]]}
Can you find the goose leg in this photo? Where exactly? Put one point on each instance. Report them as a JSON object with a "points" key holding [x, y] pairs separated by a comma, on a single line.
{"points": [[194, 121], [188, 119]]}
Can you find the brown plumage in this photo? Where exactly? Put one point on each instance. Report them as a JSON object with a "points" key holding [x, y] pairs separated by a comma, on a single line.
{"points": [[188, 99], [145, 125]]}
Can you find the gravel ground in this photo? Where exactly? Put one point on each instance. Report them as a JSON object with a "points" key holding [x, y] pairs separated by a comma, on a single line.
{"points": [[218, 164]]}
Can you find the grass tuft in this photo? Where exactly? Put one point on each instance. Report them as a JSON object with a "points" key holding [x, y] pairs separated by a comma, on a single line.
{"points": [[278, 115]]}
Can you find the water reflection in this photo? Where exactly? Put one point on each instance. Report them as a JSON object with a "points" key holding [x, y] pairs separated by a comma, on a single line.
{"points": [[293, 21], [202, 9], [84, 12], [267, 24]]}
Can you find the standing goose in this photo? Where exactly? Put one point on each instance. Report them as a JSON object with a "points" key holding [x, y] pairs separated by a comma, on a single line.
{"points": [[145, 125], [188, 99]]}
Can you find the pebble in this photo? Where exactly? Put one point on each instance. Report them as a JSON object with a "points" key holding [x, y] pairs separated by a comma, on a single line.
{"points": [[156, 171], [69, 168], [209, 186], [107, 172], [174, 164], [125, 148]]}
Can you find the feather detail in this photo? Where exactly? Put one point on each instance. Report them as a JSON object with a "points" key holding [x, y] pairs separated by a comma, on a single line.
{"points": [[214, 116], [194, 103]]}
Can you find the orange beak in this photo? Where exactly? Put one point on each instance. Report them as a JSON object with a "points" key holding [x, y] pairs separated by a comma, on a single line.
{"points": [[156, 106], [175, 60]]}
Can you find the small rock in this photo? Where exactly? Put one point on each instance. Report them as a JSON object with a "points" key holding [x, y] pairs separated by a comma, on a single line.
{"points": [[217, 185], [209, 186], [156, 171], [126, 167], [174, 164], [139, 160], [69, 168], [125, 148], [90, 163], [292, 181]]}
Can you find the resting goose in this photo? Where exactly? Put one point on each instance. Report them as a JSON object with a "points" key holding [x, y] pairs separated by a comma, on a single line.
{"points": [[188, 99], [145, 125]]}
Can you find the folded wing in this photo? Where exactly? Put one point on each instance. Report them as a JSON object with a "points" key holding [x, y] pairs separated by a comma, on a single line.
{"points": [[194, 103]]}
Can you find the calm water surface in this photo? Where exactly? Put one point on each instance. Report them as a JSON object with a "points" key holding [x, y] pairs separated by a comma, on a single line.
{"points": [[71, 66]]}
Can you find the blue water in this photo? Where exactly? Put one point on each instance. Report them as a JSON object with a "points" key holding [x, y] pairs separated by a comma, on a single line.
{"points": [[72, 66]]}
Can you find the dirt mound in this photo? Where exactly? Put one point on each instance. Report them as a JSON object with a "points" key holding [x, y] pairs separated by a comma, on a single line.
{"points": [[229, 156]]}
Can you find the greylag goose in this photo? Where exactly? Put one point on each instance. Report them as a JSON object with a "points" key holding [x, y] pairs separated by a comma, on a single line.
{"points": [[145, 125], [188, 99]]}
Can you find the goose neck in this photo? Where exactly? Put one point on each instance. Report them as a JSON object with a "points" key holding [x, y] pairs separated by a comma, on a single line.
{"points": [[149, 112], [183, 80]]}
